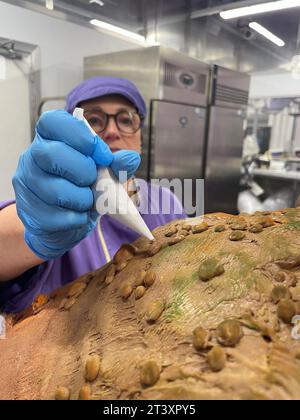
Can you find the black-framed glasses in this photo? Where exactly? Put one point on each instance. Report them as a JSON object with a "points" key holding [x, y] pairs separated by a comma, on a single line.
{"points": [[127, 122]]}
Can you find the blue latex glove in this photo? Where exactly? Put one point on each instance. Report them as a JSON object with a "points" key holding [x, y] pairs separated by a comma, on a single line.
{"points": [[53, 183]]}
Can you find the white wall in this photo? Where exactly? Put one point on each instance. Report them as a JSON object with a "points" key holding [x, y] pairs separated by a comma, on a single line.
{"points": [[62, 45], [14, 124]]}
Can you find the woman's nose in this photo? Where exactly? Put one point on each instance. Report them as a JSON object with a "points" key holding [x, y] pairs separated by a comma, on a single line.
{"points": [[111, 132]]}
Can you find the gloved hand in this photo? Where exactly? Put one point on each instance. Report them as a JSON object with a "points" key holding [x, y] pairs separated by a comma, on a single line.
{"points": [[53, 183]]}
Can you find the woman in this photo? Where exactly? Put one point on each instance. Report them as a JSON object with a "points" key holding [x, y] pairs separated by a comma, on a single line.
{"points": [[51, 235]]}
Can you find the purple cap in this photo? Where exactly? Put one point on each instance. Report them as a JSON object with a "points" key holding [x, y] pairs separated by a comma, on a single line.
{"points": [[97, 87]]}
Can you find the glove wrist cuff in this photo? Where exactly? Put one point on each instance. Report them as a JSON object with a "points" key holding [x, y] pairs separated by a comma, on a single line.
{"points": [[40, 250]]}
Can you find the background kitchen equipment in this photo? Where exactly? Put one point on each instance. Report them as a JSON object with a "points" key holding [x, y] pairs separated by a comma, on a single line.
{"points": [[194, 129], [227, 113]]}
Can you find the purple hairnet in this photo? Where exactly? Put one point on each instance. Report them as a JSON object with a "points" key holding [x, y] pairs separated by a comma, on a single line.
{"points": [[102, 86]]}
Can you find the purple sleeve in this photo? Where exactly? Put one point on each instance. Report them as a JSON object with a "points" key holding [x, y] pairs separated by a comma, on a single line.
{"points": [[7, 203], [18, 294], [11, 290], [177, 211], [160, 205]]}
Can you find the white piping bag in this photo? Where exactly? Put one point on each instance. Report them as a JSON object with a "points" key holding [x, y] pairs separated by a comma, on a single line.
{"points": [[118, 205]]}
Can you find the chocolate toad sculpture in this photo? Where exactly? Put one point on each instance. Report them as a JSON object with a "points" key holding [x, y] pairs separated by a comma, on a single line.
{"points": [[205, 312]]}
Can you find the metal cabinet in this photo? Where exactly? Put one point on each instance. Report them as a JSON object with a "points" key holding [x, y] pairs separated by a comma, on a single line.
{"points": [[177, 140], [223, 161]]}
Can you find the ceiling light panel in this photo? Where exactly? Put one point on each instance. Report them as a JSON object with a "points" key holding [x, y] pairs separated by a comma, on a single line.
{"points": [[267, 34], [259, 8]]}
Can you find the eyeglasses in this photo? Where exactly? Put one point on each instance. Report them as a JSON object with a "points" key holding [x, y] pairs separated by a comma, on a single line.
{"points": [[126, 121]]}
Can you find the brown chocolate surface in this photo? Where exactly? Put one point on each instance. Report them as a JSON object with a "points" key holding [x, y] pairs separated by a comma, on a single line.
{"points": [[96, 340]]}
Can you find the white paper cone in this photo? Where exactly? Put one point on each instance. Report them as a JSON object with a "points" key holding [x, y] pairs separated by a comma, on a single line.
{"points": [[111, 197]]}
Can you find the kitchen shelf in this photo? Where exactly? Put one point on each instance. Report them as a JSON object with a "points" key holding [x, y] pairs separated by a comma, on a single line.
{"points": [[285, 175]]}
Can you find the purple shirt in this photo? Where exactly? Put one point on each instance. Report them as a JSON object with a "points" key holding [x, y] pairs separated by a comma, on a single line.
{"points": [[89, 255]]}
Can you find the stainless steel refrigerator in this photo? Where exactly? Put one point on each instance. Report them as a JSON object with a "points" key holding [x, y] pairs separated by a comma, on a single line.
{"points": [[224, 145], [181, 138]]}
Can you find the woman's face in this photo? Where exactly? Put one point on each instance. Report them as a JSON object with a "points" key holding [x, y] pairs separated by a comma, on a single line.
{"points": [[117, 140]]}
